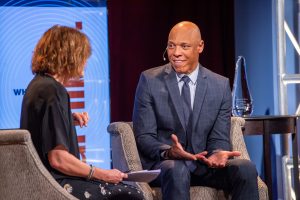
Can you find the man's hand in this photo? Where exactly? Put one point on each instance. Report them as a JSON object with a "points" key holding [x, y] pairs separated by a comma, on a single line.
{"points": [[220, 158], [176, 152], [80, 119], [202, 156]]}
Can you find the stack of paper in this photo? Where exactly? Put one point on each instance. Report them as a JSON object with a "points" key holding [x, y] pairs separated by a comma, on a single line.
{"points": [[142, 176]]}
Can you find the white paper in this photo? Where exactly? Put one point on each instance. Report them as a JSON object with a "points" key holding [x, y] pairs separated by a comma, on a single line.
{"points": [[142, 176]]}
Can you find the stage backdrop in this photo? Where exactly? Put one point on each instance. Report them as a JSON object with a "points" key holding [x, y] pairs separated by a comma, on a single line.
{"points": [[22, 24]]}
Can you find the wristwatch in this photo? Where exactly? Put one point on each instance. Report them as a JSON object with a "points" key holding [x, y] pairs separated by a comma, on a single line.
{"points": [[164, 154]]}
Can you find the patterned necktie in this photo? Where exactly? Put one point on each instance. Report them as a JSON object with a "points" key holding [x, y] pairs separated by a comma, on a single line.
{"points": [[186, 99], [187, 109]]}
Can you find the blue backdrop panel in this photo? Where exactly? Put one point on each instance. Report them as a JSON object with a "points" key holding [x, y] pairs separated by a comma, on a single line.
{"points": [[21, 27]]}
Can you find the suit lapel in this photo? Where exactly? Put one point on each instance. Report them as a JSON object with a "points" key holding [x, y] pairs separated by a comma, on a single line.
{"points": [[172, 85], [199, 95]]}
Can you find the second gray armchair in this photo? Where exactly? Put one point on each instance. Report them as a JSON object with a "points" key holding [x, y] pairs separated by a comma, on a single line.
{"points": [[125, 157]]}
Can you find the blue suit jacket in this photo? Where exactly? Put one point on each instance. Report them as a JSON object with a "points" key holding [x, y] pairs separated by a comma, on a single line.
{"points": [[158, 113]]}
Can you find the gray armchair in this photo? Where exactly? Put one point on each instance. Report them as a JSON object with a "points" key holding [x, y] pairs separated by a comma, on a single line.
{"points": [[22, 174], [125, 157]]}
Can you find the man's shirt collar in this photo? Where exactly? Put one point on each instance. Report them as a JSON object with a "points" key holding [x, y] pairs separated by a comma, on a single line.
{"points": [[193, 76]]}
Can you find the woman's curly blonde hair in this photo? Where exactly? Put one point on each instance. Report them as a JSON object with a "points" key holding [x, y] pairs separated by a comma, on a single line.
{"points": [[61, 51]]}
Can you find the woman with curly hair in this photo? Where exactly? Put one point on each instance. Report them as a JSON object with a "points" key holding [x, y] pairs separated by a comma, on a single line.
{"points": [[59, 56]]}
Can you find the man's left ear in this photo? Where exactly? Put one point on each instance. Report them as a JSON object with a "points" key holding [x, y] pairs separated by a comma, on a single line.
{"points": [[201, 46]]}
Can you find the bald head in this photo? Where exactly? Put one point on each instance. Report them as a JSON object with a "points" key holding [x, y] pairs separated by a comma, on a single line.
{"points": [[186, 28]]}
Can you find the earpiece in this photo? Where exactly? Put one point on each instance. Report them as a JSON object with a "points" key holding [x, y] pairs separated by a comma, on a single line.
{"points": [[164, 58]]}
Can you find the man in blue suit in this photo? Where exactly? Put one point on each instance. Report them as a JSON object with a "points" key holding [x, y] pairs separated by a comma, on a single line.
{"points": [[181, 121]]}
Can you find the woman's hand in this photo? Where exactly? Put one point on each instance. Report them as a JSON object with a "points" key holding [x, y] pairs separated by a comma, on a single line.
{"points": [[80, 119], [61, 160], [110, 176]]}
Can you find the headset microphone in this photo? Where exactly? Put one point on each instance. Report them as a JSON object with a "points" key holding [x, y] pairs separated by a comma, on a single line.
{"points": [[164, 58]]}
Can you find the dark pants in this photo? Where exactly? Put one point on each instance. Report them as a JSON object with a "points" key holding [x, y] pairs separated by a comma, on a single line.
{"points": [[238, 178]]}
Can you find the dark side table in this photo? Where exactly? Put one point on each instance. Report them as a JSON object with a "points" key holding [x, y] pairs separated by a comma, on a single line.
{"points": [[266, 126]]}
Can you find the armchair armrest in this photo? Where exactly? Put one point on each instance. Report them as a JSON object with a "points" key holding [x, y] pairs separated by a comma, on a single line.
{"points": [[125, 154], [237, 138], [238, 144]]}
